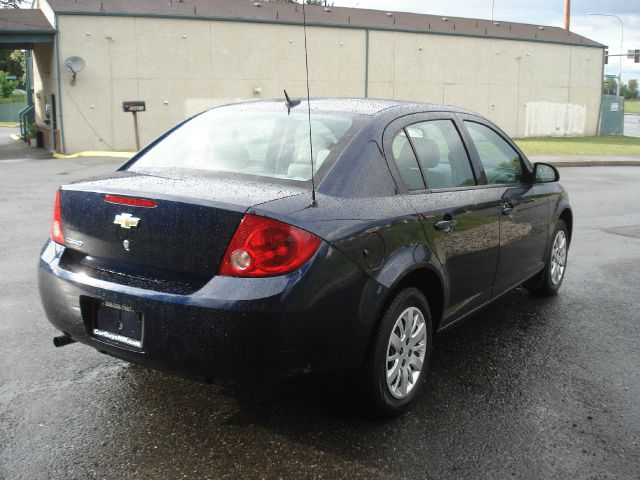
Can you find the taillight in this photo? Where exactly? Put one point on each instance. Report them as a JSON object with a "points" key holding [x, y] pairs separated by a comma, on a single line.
{"points": [[56, 227], [262, 247]]}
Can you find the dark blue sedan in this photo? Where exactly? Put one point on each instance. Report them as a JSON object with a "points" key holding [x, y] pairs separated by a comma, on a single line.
{"points": [[229, 248]]}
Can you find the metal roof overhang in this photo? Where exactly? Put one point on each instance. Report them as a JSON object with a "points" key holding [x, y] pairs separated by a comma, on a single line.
{"points": [[22, 28], [14, 40]]}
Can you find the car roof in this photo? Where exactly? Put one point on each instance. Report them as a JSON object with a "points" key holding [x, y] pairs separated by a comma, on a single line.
{"points": [[362, 106]]}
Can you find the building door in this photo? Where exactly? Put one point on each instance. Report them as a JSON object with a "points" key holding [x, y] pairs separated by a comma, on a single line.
{"points": [[612, 115]]}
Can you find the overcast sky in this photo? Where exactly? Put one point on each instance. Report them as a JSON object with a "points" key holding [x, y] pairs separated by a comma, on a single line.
{"points": [[605, 30]]}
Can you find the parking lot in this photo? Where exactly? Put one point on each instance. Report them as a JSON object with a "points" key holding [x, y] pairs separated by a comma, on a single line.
{"points": [[528, 388]]}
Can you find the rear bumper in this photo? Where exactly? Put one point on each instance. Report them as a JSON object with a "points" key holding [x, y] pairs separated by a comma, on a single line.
{"points": [[318, 319]]}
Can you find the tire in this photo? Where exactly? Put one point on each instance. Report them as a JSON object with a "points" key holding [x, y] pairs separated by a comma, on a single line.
{"points": [[405, 331], [549, 280]]}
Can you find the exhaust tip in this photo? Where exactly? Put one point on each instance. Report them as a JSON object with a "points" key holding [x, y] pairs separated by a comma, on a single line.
{"points": [[62, 340]]}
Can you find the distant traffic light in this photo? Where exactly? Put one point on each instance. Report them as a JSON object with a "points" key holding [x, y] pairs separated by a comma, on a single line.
{"points": [[606, 56], [636, 57]]}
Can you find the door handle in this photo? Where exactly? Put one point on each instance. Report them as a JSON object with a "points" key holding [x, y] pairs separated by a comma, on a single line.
{"points": [[445, 225]]}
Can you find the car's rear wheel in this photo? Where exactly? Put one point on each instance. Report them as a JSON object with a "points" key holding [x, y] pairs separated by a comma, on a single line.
{"points": [[398, 360], [549, 280]]}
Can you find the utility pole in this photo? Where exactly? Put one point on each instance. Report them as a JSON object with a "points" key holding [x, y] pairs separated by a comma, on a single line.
{"points": [[567, 14], [621, 42]]}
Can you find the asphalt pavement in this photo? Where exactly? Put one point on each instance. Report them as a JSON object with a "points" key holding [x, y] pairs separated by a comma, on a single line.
{"points": [[529, 388]]}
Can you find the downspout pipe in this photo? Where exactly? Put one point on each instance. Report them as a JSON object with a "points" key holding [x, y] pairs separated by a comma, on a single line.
{"points": [[59, 109], [28, 68], [366, 65]]}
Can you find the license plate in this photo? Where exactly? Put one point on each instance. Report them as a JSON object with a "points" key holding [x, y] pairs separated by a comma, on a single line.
{"points": [[118, 323]]}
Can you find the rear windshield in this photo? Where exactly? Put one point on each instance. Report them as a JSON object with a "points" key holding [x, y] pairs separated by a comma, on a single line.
{"points": [[258, 143]]}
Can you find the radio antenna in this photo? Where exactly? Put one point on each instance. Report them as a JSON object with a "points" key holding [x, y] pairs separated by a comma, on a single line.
{"points": [[306, 62]]}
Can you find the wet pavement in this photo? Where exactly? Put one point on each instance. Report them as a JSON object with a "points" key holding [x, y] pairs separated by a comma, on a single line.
{"points": [[17, 151], [528, 388]]}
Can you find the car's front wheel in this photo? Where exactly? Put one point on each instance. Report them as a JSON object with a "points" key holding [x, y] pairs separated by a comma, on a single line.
{"points": [[398, 360], [548, 281]]}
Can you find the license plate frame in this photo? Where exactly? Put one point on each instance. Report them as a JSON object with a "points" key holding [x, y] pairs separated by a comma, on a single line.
{"points": [[117, 323]]}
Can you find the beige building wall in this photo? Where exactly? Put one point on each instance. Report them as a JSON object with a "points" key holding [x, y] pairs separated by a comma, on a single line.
{"points": [[180, 67], [526, 88]]}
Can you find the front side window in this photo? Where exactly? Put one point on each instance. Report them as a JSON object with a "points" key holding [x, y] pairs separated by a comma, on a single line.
{"points": [[441, 153], [500, 161], [238, 140]]}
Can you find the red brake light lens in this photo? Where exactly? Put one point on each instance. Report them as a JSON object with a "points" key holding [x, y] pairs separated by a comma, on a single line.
{"points": [[57, 234], [262, 247], [133, 202]]}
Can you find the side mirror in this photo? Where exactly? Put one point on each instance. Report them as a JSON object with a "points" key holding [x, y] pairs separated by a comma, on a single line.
{"points": [[545, 173]]}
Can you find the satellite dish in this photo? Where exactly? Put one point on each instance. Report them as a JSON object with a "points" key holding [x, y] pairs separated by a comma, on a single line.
{"points": [[74, 65]]}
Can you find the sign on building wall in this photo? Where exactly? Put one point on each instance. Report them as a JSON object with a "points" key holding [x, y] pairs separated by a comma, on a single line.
{"points": [[134, 106]]}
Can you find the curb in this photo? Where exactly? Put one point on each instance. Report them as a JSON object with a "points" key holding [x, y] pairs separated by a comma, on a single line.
{"points": [[96, 154], [596, 163], [585, 160]]}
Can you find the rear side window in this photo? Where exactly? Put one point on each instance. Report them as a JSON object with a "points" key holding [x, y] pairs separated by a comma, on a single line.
{"points": [[271, 144], [441, 153], [406, 162], [500, 161]]}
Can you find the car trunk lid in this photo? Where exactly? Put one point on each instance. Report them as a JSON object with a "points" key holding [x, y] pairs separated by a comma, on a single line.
{"points": [[179, 233]]}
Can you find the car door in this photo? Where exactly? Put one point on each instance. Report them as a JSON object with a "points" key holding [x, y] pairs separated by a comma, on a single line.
{"points": [[523, 205], [460, 220]]}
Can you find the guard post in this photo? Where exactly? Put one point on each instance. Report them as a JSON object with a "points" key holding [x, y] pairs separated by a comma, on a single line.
{"points": [[134, 107]]}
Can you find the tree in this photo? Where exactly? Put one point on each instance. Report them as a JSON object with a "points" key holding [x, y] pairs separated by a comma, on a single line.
{"points": [[629, 90], [632, 88], [12, 62], [17, 57], [609, 86], [624, 91], [6, 86], [11, 3]]}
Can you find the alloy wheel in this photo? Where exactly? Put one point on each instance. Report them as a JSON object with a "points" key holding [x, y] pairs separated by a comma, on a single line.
{"points": [[558, 257], [406, 352]]}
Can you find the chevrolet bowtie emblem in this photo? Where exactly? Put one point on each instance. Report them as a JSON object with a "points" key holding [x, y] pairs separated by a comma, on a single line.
{"points": [[126, 220]]}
